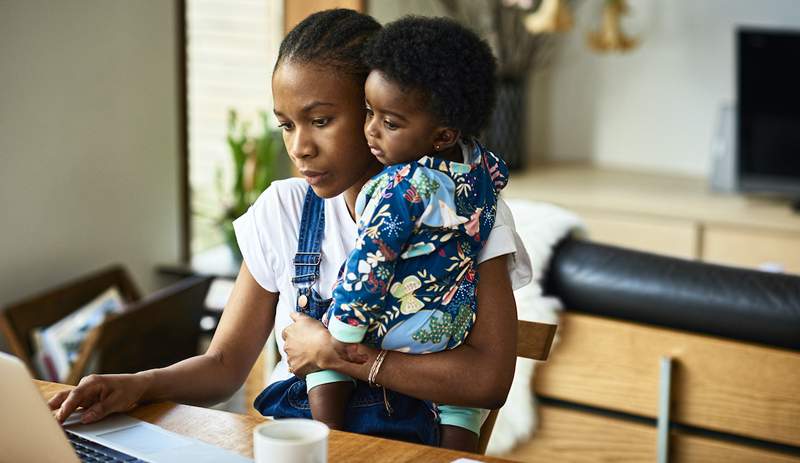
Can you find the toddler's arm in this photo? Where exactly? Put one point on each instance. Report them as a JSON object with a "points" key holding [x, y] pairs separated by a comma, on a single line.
{"points": [[389, 220]]}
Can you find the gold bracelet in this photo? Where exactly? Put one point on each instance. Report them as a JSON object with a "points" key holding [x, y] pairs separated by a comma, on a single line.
{"points": [[376, 366]]}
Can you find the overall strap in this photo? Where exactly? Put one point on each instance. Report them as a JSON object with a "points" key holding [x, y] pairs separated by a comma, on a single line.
{"points": [[309, 241]]}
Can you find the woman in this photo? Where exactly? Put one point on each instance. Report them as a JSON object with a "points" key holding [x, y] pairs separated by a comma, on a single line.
{"points": [[318, 87]]}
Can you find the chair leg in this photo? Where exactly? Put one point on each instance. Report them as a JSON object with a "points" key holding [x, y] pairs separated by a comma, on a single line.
{"points": [[486, 431]]}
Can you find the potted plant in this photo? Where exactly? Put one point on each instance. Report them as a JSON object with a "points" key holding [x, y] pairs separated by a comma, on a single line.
{"points": [[254, 168], [506, 25]]}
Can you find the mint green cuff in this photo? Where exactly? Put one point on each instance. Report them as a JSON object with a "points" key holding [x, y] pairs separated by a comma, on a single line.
{"points": [[346, 333], [468, 418], [324, 377]]}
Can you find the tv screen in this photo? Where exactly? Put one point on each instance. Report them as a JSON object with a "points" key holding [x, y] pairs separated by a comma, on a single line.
{"points": [[769, 111]]}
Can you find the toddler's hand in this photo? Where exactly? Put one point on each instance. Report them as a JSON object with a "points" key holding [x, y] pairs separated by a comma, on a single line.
{"points": [[348, 352]]}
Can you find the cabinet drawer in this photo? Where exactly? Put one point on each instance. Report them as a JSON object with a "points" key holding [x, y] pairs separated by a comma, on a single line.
{"points": [[574, 436], [578, 436], [676, 238], [751, 248], [720, 385]]}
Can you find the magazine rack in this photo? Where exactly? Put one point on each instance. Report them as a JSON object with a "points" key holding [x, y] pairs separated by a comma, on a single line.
{"points": [[153, 332], [18, 320]]}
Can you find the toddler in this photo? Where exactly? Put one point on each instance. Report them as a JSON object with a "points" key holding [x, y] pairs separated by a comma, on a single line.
{"points": [[410, 283]]}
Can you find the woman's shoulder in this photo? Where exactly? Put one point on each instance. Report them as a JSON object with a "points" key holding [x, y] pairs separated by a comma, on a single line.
{"points": [[292, 187], [286, 194], [284, 200], [265, 233]]}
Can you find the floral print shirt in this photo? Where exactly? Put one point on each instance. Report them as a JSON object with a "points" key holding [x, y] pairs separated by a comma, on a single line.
{"points": [[410, 283]]}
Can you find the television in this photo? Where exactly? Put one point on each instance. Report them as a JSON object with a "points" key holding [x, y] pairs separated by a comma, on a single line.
{"points": [[768, 116]]}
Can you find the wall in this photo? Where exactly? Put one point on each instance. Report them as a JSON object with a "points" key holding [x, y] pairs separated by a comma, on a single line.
{"points": [[654, 108], [389, 10], [88, 140]]}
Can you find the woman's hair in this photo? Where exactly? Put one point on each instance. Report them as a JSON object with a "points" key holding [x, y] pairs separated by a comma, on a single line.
{"points": [[332, 38], [452, 67]]}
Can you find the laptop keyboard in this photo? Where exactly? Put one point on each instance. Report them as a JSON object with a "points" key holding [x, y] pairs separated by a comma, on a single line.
{"points": [[89, 451]]}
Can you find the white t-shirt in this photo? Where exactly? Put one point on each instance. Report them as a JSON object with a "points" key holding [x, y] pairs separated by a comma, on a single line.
{"points": [[267, 237]]}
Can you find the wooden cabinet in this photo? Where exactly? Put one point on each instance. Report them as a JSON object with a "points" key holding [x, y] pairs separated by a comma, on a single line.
{"points": [[671, 237], [718, 384], [601, 387], [757, 248], [669, 215], [730, 401], [574, 436]]}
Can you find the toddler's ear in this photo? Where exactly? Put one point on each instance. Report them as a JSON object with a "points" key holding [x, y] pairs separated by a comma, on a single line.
{"points": [[445, 137]]}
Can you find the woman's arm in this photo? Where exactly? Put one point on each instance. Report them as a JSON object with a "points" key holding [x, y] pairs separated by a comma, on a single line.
{"points": [[476, 374], [204, 379]]}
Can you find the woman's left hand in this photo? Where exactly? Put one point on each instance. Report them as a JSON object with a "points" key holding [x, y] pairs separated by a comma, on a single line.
{"points": [[309, 346], [303, 341]]}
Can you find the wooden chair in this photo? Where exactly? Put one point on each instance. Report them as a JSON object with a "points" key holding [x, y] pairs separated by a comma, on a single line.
{"points": [[153, 332], [533, 341], [17, 320]]}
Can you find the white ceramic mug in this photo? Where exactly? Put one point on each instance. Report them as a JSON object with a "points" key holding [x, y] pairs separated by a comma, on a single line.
{"points": [[291, 441]]}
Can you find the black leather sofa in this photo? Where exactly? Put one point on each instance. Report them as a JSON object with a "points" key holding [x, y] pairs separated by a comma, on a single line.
{"points": [[734, 303]]}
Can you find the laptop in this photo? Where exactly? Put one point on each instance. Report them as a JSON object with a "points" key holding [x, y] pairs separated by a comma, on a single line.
{"points": [[29, 432]]}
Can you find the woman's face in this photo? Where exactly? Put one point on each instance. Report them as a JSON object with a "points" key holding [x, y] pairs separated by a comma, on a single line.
{"points": [[321, 112]]}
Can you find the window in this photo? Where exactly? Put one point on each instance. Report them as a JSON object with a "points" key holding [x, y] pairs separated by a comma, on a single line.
{"points": [[231, 46]]}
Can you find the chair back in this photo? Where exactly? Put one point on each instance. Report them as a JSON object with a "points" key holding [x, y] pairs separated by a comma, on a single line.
{"points": [[534, 340], [159, 330]]}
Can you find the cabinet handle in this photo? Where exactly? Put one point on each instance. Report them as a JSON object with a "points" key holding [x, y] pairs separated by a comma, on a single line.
{"points": [[665, 383]]}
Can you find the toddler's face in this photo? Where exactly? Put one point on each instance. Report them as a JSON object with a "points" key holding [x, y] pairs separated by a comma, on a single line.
{"points": [[398, 127]]}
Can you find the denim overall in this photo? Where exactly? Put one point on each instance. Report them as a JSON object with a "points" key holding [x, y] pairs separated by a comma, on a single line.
{"points": [[407, 419]]}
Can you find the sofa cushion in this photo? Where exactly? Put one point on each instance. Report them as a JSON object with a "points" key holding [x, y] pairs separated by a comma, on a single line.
{"points": [[730, 302]]}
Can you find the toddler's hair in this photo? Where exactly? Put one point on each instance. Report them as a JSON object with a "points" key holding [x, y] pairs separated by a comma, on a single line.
{"points": [[334, 38], [452, 67]]}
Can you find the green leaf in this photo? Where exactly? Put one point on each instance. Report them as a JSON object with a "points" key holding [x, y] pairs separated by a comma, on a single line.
{"points": [[262, 151]]}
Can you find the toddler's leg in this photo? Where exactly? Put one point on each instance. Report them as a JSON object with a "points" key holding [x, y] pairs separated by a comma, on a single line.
{"points": [[458, 438], [329, 402], [460, 427]]}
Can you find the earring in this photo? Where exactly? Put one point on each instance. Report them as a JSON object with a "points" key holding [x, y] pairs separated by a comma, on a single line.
{"points": [[436, 147]]}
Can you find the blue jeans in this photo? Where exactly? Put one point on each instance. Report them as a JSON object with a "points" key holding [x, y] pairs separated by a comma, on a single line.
{"points": [[411, 420]]}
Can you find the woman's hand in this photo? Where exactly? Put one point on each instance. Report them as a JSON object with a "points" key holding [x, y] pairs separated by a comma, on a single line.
{"points": [[487, 357], [310, 347], [100, 395], [303, 343]]}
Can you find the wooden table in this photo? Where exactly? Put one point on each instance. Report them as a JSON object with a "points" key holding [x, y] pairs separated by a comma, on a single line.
{"points": [[235, 432]]}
